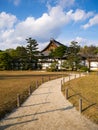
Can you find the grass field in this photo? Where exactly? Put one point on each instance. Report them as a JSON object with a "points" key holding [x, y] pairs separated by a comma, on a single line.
{"points": [[18, 82], [87, 89]]}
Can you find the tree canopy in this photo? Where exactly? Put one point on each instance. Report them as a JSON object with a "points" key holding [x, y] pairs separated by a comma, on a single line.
{"points": [[73, 57], [59, 52], [32, 52], [25, 58]]}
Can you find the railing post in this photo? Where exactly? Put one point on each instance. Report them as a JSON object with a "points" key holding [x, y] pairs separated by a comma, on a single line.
{"points": [[18, 100], [66, 93], [42, 80], [80, 105], [69, 77], [49, 77], [63, 80], [36, 84], [30, 90], [61, 85]]}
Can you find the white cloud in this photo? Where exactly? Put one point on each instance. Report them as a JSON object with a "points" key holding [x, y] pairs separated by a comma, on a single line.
{"points": [[14, 32], [81, 40], [42, 45], [7, 20], [62, 3], [85, 42], [79, 15], [92, 21], [47, 26], [65, 3]]}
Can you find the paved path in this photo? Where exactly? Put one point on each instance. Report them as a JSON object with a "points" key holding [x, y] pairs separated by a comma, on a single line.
{"points": [[47, 109]]}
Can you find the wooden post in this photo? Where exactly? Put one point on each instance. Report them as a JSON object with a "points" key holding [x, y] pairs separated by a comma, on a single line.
{"points": [[49, 77], [66, 93], [63, 80], [42, 80], [61, 85], [80, 105], [75, 76], [69, 77], [18, 100], [36, 84], [30, 90]]}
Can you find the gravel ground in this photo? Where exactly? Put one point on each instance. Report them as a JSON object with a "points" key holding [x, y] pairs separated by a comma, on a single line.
{"points": [[47, 109]]}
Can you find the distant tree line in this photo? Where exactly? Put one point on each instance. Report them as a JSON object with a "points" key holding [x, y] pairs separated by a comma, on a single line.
{"points": [[21, 58], [26, 58]]}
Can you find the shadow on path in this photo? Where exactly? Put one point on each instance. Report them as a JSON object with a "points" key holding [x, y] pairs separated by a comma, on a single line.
{"points": [[3, 127], [44, 112], [41, 93], [36, 104]]}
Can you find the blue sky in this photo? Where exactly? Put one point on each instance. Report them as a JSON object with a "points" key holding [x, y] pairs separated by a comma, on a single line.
{"points": [[63, 20]]}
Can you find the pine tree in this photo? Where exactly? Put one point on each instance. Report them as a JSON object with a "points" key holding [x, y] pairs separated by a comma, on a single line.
{"points": [[32, 51]]}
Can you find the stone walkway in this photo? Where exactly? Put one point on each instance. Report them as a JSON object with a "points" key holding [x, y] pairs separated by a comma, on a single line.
{"points": [[47, 109]]}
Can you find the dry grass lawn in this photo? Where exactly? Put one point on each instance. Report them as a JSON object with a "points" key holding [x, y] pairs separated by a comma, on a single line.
{"points": [[87, 89], [18, 82]]}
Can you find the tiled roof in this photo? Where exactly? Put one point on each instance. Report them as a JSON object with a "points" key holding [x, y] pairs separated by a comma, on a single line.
{"points": [[54, 42]]}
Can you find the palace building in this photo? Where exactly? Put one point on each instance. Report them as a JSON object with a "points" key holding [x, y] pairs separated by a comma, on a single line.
{"points": [[47, 60], [90, 61]]}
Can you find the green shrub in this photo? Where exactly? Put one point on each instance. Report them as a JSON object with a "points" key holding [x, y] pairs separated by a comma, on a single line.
{"points": [[53, 67], [84, 68]]}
